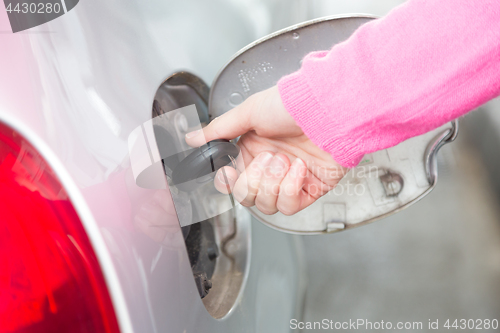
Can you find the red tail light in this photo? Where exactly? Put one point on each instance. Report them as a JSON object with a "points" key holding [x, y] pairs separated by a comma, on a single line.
{"points": [[50, 279]]}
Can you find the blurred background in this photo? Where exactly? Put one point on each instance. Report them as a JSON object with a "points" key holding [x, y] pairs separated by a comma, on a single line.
{"points": [[439, 259]]}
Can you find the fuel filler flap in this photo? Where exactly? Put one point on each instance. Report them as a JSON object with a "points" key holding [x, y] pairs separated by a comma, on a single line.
{"points": [[384, 183]]}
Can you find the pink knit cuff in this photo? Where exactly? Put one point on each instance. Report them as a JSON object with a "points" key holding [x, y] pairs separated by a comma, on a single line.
{"points": [[317, 124]]}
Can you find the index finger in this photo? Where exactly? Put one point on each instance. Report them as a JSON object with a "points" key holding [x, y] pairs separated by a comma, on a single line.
{"points": [[230, 125]]}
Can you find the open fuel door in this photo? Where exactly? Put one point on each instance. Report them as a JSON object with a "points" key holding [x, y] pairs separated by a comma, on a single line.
{"points": [[384, 183]]}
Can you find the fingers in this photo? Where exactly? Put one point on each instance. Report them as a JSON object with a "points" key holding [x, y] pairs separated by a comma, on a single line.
{"points": [[228, 126], [247, 186], [291, 194], [225, 179], [269, 183], [272, 184], [269, 187]]}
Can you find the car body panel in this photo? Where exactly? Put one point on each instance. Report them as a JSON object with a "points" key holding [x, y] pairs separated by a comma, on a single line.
{"points": [[77, 86]]}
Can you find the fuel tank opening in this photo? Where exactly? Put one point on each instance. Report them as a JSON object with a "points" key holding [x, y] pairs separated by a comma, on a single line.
{"points": [[216, 232]]}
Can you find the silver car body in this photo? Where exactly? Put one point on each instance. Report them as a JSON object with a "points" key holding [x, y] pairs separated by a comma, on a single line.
{"points": [[77, 86]]}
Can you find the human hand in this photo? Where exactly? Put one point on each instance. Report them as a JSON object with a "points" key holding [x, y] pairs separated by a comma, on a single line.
{"points": [[285, 171]]}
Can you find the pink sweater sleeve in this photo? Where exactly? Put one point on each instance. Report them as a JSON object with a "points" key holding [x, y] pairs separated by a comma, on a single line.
{"points": [[427, 62]]}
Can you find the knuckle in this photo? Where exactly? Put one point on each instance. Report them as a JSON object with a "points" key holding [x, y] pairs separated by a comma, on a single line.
{"points": [[244, 201], [287, 210], [269, 212], [246, 204], [251, 100], [215, 131], [286, 206], [265, 208]]}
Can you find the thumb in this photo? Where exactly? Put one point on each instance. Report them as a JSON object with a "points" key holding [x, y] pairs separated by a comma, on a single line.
{"points": [[230, 125]]}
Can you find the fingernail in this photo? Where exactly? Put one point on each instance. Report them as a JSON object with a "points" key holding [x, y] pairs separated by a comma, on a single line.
{"points": [[296, 167], [224, 179], [264, 157], [193, 134], [299, 162], [277, 166]]}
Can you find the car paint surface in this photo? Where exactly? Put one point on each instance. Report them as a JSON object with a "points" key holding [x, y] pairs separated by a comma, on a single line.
{"points": [[77, 86]]}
